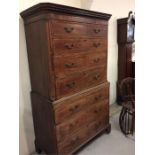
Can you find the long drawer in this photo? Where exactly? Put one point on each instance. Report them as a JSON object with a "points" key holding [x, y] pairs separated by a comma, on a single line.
{"points": [[79, 81], [71, 29], [78, 62], [71, 106], [69, 46], [85, 133], [92, 113]]}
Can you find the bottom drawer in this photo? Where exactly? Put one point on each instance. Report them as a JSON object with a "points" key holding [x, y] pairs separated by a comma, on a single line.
{"points": [[81, 119], [74, 141]]}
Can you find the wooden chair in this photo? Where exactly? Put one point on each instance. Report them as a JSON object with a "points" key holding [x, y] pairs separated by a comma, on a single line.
{"points": [[127, 115]]}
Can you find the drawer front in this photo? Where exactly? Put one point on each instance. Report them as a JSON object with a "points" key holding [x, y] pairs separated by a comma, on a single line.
{"points": [[69, 46], [79, 81], [74, 141], [97, 30], [97, 59], [68, 108], [61, 28], [78, 62], [83, 118], [71, 29]]}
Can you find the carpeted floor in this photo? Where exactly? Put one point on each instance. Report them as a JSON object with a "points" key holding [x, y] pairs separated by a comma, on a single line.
{"points": [[113, 144]]}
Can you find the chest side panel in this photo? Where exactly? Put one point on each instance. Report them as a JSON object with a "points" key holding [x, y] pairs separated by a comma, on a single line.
{"points": [[40, 65]]}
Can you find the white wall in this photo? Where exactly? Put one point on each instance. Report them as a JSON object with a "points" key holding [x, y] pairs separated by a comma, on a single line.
{"points": [[86, 4], [24, 4], [118, 9]]}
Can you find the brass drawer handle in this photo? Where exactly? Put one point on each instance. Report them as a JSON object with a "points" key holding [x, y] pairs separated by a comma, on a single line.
{"points": [[97, 30], [68, 29], [76, 106], [96, 60], [96, 111], [96, 77], [70, 65], [73, 109], [98, 97], [70, 85], [69, 46], [74, 140], [71, 125], [96, 45]]}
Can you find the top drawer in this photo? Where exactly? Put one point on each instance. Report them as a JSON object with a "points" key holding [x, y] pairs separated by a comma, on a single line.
{"points": [[71, 29]]}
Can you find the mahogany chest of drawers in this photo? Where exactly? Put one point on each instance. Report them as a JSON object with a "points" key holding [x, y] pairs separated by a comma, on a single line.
{"points": [[67, 53]]}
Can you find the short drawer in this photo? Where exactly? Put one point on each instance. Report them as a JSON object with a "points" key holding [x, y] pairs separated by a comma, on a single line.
{"points": [[62, 28], [96, 59], [97, 30], [92, 113], [74, 29], [68, 108], [78, 62], [85, 133], [71, 46], [79, 81]]}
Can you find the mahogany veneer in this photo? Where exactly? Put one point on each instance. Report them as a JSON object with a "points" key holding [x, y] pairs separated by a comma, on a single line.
{"points": [[67, 53]]}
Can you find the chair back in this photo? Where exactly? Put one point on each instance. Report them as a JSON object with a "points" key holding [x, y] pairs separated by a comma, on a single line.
{"points": [[127, 89]]}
